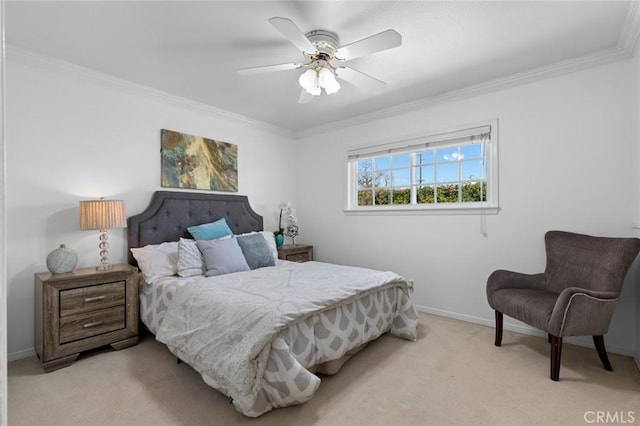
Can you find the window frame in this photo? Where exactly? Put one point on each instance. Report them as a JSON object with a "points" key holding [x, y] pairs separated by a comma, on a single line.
{"points": [[412, 145]]}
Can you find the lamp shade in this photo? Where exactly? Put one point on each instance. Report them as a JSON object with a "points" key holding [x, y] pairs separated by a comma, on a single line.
{"points": [[309, 82], [102, 214], [328, 81]]}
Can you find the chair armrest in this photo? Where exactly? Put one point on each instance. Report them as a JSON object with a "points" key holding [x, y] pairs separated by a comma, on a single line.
{"points": [[582, 312], [508, 279]]}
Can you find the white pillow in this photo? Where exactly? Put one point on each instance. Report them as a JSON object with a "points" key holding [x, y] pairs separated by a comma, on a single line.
{"points": [[158, 260], [190, 260], [271, 242]]}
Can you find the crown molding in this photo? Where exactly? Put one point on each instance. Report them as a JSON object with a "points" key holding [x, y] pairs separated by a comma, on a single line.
{"points": [[631, 31], [49, 63]]}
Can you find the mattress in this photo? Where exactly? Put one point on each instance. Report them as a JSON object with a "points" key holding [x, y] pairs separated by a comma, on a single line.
{"points": [[318, 342]]}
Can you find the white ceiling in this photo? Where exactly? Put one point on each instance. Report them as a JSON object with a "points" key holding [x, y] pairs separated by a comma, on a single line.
{"points": [[192, 49]]}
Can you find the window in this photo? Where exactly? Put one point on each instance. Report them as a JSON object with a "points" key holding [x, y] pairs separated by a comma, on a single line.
{"points": [[452, 171]]}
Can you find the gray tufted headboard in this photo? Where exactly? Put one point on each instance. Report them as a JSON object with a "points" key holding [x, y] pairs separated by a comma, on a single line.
{"points": [[170, 213]]}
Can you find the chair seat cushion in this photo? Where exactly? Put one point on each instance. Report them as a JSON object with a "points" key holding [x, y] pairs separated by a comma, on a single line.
{"points": [[531, 306]]}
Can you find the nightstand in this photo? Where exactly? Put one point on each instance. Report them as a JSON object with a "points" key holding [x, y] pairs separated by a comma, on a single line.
{"points": [[82, 310], [295, 252]]}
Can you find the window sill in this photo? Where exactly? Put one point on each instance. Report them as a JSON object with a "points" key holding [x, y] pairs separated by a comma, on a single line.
{"points": [[419, 210]]}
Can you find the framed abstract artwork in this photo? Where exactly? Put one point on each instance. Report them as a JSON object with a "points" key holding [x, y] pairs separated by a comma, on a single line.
{"points": [[194, 162]]}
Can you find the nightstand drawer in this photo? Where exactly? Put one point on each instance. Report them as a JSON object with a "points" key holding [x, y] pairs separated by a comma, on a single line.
{"points": [[91, 298], [91, 324], [298, 257], [296, 252]]}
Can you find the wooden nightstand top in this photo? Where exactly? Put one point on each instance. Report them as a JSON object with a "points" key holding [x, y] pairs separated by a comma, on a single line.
{"points": [[85, 272]]}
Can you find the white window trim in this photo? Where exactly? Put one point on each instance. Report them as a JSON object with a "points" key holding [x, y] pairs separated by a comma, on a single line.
{"points": [[491, 206]]}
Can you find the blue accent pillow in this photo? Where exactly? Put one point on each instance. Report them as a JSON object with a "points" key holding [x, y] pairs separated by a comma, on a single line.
{"points": [[210, 231], [256, 250]]}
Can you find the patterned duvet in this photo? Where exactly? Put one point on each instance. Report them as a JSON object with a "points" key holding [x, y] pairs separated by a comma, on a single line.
{"points": [[257, 336]]}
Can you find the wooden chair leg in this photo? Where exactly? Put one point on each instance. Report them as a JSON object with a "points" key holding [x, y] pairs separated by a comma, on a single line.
{"points": [[556, 353], [598, 341], [498, 341]]}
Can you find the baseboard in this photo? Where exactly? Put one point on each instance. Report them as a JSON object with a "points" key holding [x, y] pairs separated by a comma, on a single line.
{"points": [[584, 341], [26, 353]]}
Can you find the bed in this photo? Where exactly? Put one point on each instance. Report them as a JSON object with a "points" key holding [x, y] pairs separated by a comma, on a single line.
{"points": [[260, 336]]}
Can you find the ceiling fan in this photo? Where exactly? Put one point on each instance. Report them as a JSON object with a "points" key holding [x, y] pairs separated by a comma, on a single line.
{"points": [[324, 54]]}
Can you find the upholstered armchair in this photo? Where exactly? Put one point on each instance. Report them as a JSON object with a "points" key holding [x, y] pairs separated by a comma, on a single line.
{"points": [[576, 294]]}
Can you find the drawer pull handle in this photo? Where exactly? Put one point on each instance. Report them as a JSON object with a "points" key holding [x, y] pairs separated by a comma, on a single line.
{"points": [[93, 324], [93, 299]]}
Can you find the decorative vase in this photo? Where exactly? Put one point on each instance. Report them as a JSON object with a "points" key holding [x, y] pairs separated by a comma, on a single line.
{"points": [[62, 260], [279, 240]]}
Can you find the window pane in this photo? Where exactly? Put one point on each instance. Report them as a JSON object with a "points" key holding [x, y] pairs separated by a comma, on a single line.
{"points": [[365, 198], [424, 174], [424, 157], [365, 165], [425, 195], [447, 193], [447, 154], [403, 160], [401, 177], [474, 191], [365, 180], [401, 196], [382, 163], [447, 172], [471, 170], [383, 179], [471, 151], [382, 196]]}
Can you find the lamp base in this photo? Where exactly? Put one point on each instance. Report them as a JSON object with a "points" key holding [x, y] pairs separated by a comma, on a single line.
{"points": [[104, 251], [104, 267]]}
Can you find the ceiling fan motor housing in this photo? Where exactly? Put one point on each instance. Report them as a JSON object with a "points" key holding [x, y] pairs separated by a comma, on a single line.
{"points": [[325, 41]]}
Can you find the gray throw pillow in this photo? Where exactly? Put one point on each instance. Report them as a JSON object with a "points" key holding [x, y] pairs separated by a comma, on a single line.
{"points": [[222, 256], [256, 251]]}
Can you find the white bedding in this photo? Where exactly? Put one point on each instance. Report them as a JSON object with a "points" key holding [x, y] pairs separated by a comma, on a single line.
{"points": [[253, 335]]}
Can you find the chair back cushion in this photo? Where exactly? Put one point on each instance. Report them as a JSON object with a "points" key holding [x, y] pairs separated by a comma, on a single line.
{"points": [[595, 263]]}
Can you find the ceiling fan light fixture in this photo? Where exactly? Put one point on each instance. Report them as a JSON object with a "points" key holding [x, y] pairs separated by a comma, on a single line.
{"points": [[309, 82], [314, 80], [328, 81]]}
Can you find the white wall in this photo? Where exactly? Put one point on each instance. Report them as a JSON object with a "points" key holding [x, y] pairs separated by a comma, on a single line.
{"points": [[565, 163], [73, 136]]}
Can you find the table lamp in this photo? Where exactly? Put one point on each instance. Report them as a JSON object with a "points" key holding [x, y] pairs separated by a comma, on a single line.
{"points": [[102, 215]]}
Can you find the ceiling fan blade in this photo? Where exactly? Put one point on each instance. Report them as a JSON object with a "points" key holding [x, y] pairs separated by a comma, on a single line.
{"points": [[269, 68], [375, 43], [292, 33], [360, 79], [305, 97]]}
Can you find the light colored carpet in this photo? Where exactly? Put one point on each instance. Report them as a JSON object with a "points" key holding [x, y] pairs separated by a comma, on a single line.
{"points": [[453, 375]]}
